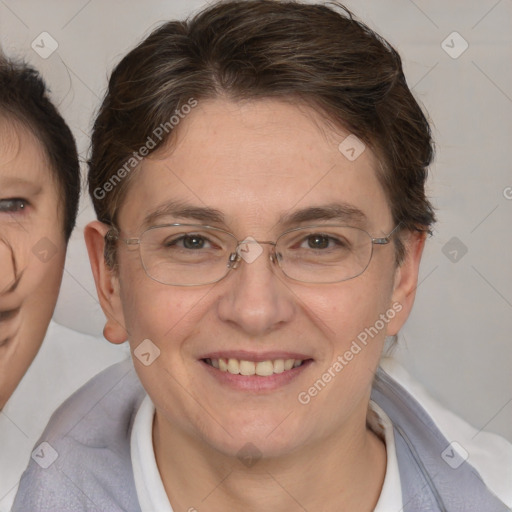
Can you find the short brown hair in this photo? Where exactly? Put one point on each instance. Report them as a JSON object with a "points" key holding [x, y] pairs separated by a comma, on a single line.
{"points": [[317, 54], [24, 99]]}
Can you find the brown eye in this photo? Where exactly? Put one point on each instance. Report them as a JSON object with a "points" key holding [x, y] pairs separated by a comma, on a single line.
{"points": [[192, 242], [318, 241]]}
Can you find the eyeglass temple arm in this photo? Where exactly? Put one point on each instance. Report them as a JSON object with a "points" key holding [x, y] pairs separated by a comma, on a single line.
{"points": [[381, 241], [386, 239], [113, 234]]}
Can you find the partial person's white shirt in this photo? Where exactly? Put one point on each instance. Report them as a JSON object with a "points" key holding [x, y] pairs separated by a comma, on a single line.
{"points": [[490, 454], [151, 491], [67, 360]]}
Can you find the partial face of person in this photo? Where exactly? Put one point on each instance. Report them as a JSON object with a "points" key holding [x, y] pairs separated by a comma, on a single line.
{"points": [[257, 169], [32, 251]]}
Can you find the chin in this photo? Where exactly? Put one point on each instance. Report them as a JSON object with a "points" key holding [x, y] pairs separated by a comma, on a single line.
{"points": [[261, 440]]}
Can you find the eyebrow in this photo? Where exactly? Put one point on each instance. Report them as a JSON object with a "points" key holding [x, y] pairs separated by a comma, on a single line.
{"points": [[13, 181], [340, 212], [180, 210]]}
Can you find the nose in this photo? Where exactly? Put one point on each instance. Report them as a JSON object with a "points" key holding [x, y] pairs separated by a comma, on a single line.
{"points": [[8, 266], [256, 301]]}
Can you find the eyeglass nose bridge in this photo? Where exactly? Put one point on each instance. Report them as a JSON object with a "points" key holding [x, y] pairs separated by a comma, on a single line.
{"points": [[241, 254]]}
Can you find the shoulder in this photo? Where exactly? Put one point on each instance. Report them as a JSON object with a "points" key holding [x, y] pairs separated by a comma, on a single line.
{"points": [[82, 460], [66, 360], [443, 442]]}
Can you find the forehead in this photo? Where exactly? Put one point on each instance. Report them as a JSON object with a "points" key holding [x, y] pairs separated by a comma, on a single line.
{"points": [[255, 162], [22, 157]]}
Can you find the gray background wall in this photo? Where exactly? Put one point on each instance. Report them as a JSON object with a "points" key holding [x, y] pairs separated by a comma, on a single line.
{"points": [[458, 341]]}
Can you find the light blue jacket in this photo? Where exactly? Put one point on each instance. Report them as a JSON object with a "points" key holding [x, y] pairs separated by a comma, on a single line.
{"points": [[87, 453]]}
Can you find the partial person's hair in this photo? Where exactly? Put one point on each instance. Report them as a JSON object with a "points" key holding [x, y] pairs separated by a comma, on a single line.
{"points": [[315, 55], [24, 101]]}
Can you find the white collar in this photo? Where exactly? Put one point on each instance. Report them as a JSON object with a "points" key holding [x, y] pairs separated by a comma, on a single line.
{"points": [[391, 493], [151, 491]]}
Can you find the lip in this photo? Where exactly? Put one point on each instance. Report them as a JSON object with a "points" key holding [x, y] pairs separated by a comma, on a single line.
{"points": [[256, 383], [254, 356]]}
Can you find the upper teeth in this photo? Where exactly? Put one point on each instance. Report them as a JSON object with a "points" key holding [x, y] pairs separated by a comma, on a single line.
{"points": [[262, 368]]}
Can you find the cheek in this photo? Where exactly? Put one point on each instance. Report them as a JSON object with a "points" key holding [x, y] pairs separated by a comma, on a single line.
{"points": [[38, 290], [346, 309], [42, 274], [7, 276], [350, 316], [151, 310], [36, 256]]}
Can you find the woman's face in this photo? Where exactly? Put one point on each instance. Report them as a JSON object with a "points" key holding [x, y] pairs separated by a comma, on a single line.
{"points": [[252, 164], [32, 251]]}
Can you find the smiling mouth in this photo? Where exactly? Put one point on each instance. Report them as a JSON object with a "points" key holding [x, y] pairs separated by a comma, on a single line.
{"points": [[260, 368]]}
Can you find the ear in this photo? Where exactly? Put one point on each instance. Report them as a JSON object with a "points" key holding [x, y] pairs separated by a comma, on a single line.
{"points": [[107, 283], [406, 280]]}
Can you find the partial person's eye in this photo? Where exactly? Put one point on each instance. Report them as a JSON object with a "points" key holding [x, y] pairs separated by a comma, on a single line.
{"points": [[13, 205], [189, 241], [322, 241]]}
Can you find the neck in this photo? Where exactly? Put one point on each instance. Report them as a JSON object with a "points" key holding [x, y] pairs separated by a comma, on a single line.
{"points": [[343, 472]]}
